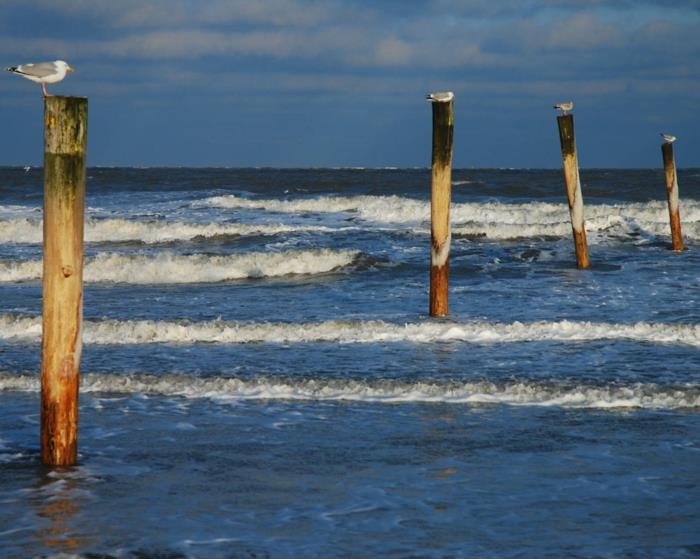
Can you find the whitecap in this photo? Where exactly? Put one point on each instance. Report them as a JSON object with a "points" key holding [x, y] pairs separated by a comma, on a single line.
{"points": [[172, 268], [515, 393], [107, 331]]}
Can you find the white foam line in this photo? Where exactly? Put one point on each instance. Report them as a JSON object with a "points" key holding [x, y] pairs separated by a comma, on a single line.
{"points": [[29, 231], [24, 329], [526, 393], [171, 268], [490, 219]]}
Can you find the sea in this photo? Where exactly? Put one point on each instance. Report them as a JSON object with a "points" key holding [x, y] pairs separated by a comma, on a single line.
{"points": [[260, 376]]}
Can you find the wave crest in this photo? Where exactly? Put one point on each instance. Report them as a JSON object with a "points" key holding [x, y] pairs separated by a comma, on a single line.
{"points": [[526, 393], [29, 231], [355, 332], [171, 268], [489, 219]]}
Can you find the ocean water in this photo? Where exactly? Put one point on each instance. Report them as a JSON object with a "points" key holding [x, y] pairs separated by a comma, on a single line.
{"points": [[260, 377]]}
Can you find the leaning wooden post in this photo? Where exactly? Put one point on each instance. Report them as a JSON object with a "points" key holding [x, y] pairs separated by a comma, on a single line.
{"points": [[65, 140], [441, 186], [573, 187], [672, 191]]}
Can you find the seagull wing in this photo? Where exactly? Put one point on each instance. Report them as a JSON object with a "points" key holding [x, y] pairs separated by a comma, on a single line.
{"points": [[40, 70]]}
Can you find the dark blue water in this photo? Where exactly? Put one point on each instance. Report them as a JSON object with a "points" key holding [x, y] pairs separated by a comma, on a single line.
{"points": [[260, 377]]}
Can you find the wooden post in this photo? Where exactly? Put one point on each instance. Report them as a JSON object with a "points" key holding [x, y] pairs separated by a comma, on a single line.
{"points": [[573, 187], [441, 186], [672, 191], [65, 140]]}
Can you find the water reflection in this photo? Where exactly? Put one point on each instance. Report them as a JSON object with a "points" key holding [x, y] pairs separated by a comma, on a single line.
{"points": [[58, 500]]}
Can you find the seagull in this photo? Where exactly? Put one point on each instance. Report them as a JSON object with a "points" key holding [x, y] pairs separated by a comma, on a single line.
{"points": [[27, 168], [667, 138], [443, 97], [564, 107], [43, 72]]}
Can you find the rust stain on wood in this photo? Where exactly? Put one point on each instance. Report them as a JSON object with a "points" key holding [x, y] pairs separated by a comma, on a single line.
{"points": [[573, 188], [64, 207], [441, 193], [672, 195], [439, 279], [676, 235], [581, 246]]}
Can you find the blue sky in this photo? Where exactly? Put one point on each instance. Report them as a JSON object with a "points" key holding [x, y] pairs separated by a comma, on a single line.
{"points": [[342, 83]]}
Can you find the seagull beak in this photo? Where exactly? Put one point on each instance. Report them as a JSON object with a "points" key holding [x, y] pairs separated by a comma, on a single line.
{"points": [[69, 69]]}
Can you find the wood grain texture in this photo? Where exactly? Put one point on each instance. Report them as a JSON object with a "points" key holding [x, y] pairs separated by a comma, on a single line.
{"points": [[438, 289], [65, 135], [672, 194], [573, 187], [441, 192]]}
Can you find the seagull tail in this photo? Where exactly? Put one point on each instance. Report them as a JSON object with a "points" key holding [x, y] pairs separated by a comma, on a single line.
{"points": [[11, 68]]}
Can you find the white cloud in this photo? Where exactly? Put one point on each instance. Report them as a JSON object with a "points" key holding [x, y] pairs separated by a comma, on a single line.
{"points": [[189, 13], [393, 51], [321, 35]]}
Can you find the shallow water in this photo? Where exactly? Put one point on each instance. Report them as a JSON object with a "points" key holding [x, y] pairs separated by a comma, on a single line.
{"points": [[260, 378]]}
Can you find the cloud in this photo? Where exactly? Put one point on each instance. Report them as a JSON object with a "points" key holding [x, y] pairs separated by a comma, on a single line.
{"points": [[423, 42], [517, 9], [581, 32], [393, 51], [188, 13]]}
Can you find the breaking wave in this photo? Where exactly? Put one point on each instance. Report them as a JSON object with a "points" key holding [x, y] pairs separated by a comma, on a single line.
{"points": [[28, 230], [106, 331], [526, 393], [490, 219], [170, 268]]}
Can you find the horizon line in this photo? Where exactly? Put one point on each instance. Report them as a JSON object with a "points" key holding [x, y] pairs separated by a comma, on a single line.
{"points": [[345, 168]]}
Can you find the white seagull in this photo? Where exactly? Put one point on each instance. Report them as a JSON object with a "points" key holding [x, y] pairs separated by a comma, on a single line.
{"points": [[442, 97], [43, 72], [667, 138], [564, 107]]}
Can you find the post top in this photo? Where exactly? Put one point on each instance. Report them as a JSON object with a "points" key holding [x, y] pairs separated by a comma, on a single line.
{"points": [[65, 125], [440, 97], [61, 97]]}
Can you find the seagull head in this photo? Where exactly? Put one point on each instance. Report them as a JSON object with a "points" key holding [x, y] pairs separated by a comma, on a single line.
{"points": [[63, 64]]}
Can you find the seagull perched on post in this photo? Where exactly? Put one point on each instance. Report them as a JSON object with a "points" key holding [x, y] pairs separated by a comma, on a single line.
{"points": [[43, 72], [667, 138], [564, 107], [443, 97]]}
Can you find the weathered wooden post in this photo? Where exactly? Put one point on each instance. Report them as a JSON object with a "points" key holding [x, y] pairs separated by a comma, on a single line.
{"points": [[441, 186], [573, 187], [65, 140], [672, 192]]}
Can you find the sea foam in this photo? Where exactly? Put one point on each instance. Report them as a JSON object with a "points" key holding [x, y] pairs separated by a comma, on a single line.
{"points": [[171, 268], [29, 231], [26, 329], [523, 393], [490, 219], [493, 220]]}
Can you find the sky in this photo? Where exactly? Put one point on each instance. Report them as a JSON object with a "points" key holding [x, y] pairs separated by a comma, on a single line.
{"points": [[342, 83]]}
